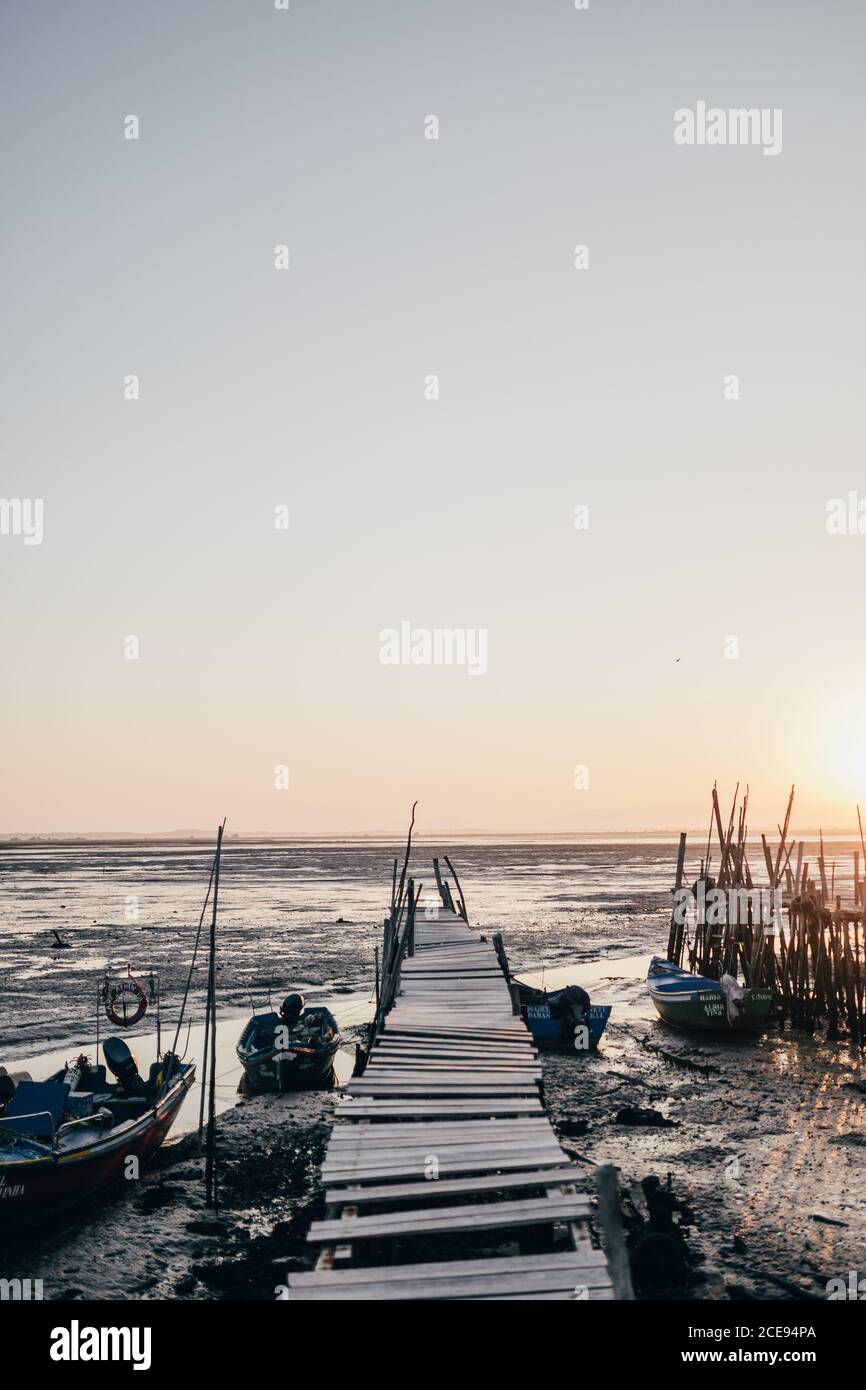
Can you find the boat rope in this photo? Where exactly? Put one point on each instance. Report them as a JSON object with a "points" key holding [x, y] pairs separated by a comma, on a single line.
{"points": [[189, 976]]}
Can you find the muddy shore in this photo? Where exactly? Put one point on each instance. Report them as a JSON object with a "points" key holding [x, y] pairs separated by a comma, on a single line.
{"points": [[155, 1238], [763, 1144]]}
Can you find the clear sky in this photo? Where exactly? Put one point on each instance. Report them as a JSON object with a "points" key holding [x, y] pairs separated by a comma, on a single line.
{"points": [[410, 257]]}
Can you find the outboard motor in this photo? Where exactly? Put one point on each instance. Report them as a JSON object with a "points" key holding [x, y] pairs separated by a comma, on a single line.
{"points": [[291, 1009], [7, 1090], [121, 1064], [571, 1003]]}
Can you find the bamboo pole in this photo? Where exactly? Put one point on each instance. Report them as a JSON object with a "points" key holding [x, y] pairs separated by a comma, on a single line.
{"points": [[211, 1197]]}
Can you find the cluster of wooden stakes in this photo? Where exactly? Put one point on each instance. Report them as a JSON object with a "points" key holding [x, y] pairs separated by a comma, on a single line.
{"points": [[794, 934]]}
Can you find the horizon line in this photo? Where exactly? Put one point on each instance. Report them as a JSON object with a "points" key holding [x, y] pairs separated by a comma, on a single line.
{"points": [[206, 837]]}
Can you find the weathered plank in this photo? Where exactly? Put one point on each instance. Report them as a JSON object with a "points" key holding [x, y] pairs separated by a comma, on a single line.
{"points": [[489, 1131], [439, 1188], [560, 1260], [447, 1168], [450, 1162], [499, 1105], [527, 1276], [487, 1216], [449, 1083]]}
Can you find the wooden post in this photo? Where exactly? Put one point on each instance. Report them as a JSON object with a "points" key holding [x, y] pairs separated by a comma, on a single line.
{"points": [[398, 901], [863, 847], [384, 1000], [783, 833], [500, 953], [821, 868], [461, 899], [675, 935], [410, 920], [439, 884], [768, 861], [387, 938], [211, 1198], [203, 1077], [607, 1184]]}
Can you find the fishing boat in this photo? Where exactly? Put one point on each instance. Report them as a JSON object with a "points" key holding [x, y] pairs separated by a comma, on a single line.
{"points": [[67, 1138], [553, 1017], [290, 1050], [697, 1002]]}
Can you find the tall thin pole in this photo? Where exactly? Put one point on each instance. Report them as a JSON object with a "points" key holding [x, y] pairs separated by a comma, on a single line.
{"points": [[210, 1159], [205, 1038]]}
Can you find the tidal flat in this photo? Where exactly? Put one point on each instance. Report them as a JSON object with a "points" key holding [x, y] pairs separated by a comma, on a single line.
{"points": [[758, 1145]]}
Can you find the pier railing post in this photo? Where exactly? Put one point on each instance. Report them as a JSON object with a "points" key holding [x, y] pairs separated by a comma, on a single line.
{"points": [[504, 966], [410, 923], [610, 1216]]}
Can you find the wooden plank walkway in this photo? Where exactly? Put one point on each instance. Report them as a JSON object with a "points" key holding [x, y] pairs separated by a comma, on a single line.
{"points": [[444, 1139]]}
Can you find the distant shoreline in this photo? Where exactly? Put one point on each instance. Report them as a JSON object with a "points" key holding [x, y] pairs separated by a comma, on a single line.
{"points": [[200, 840]]}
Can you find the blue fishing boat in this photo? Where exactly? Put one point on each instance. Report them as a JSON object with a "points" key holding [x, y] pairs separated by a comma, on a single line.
{"points": [[556, 1018]]}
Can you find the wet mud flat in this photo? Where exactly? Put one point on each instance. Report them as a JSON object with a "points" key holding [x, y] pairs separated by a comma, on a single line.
{"points": [[302, 917], [764, 1143], [288, 920]]}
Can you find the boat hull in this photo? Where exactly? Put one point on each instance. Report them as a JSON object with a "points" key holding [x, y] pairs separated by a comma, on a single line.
{"points": [[552, 1034], [699, 1005], [47, 1186]]}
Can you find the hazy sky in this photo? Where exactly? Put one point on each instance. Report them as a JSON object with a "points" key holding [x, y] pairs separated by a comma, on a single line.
{"points": [[259, 387]]}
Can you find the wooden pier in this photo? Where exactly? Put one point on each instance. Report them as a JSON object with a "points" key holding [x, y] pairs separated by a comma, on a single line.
{"points": [[442, 1147]]}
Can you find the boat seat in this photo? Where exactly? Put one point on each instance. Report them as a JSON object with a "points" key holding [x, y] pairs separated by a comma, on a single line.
{"points": [[25, 1112], [123, 1107]]}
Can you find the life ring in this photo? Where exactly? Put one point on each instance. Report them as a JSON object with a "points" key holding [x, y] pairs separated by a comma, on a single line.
{"points": [[117, 994]]}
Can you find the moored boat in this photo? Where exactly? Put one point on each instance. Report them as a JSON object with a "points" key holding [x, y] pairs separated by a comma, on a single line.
{"points": [[290, 1050], [65, 1139], [553, 1017], [696, 1002]]}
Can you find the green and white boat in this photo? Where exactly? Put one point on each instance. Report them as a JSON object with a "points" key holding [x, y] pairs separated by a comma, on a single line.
{"points": [[696, 1002]]}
